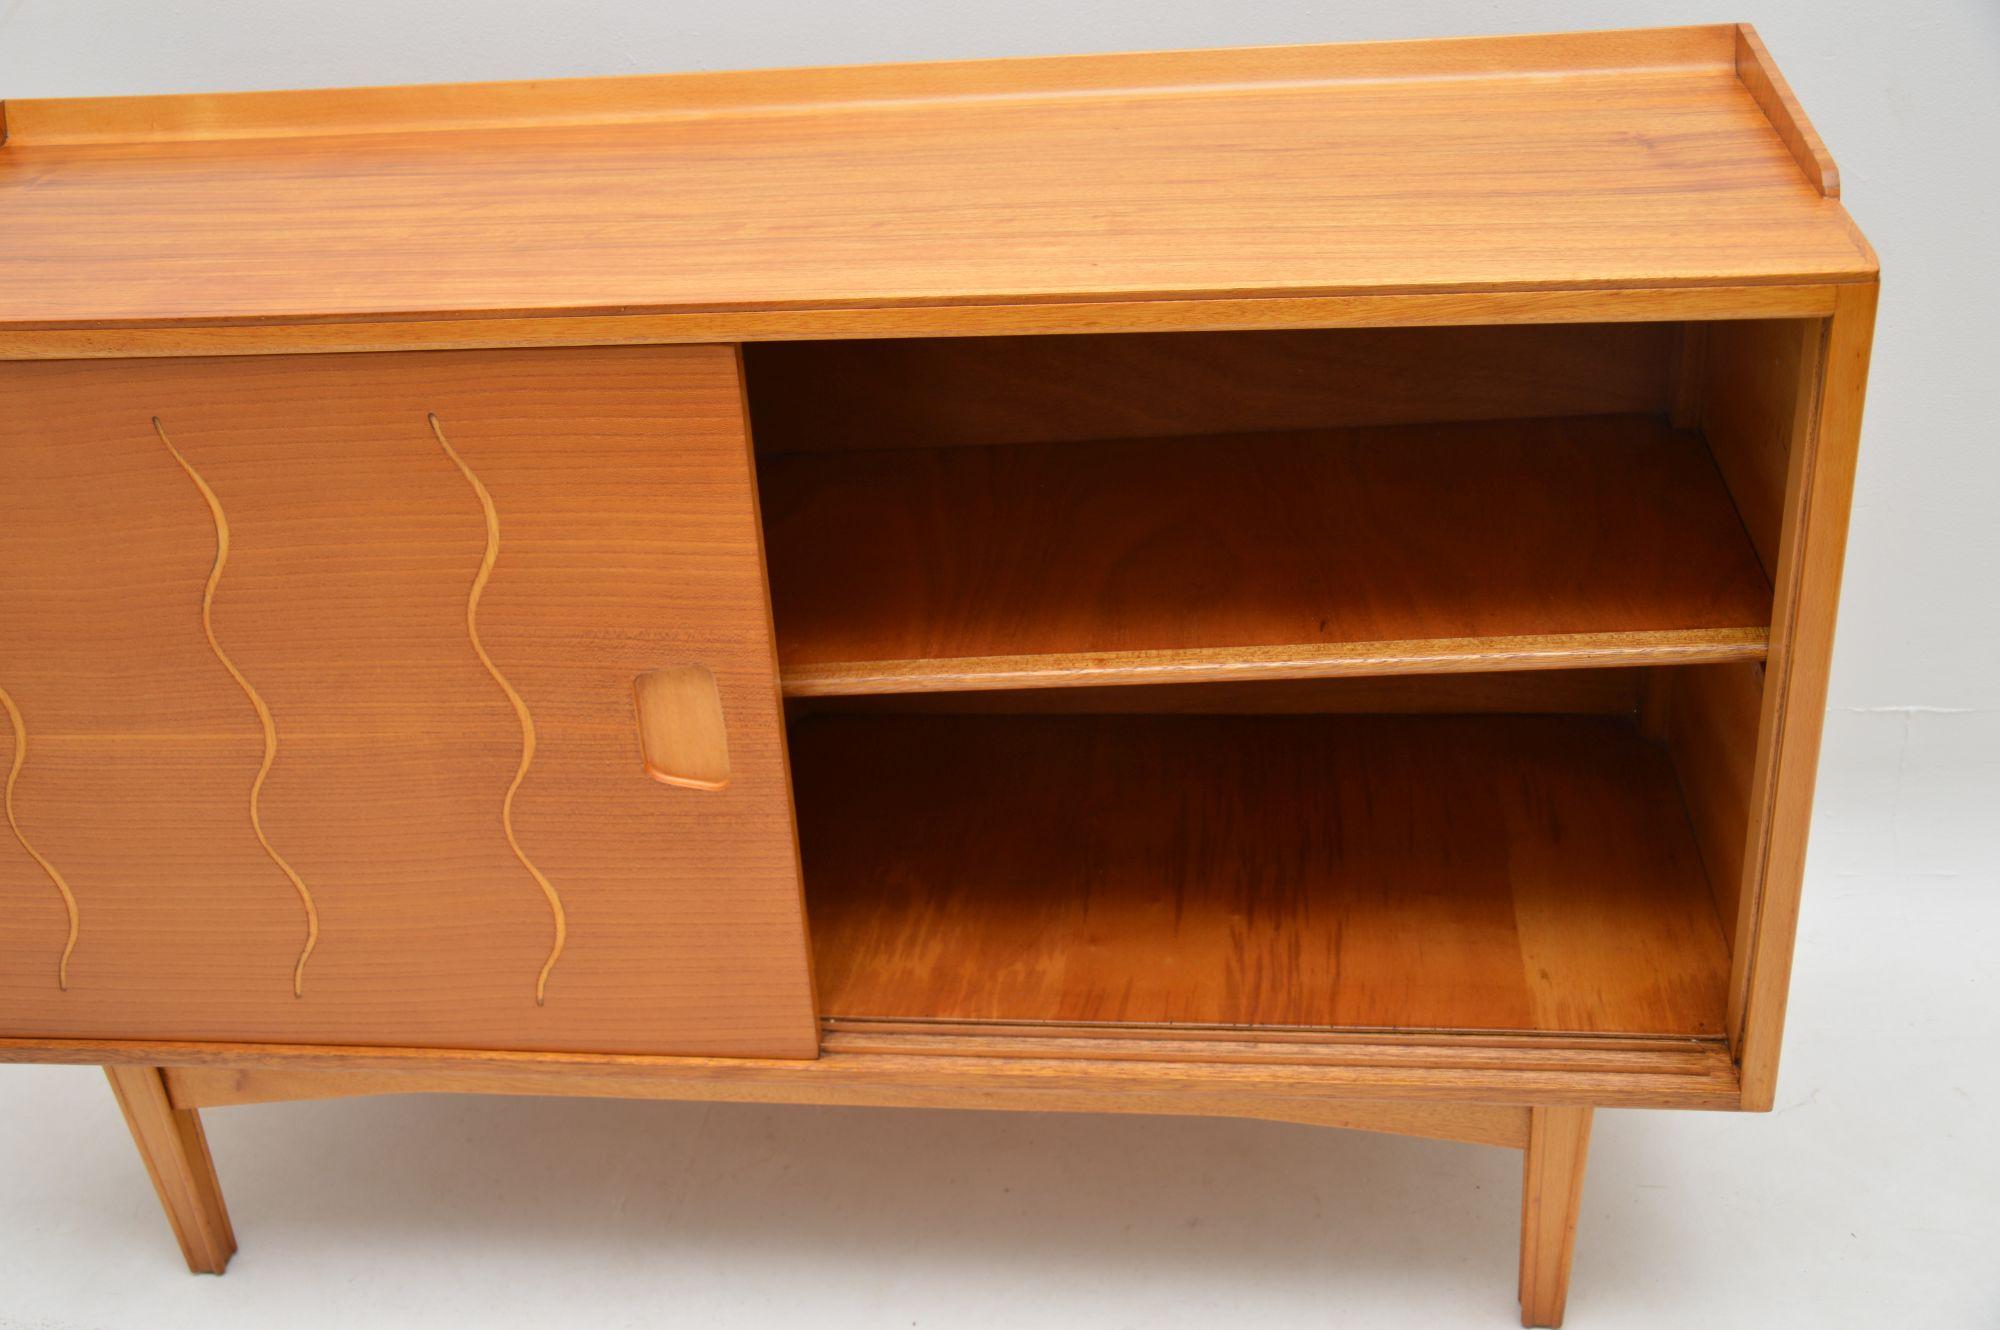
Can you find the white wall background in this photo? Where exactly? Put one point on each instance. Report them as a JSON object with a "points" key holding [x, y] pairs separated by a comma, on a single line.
{"points": [[1895, 988]]}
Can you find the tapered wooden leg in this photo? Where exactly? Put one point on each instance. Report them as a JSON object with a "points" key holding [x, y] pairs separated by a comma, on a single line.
{"points": [[1558, 1142], [175, 1149]]}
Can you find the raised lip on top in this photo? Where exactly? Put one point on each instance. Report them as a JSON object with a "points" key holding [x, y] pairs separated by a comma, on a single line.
{"points": [[640, 98]]}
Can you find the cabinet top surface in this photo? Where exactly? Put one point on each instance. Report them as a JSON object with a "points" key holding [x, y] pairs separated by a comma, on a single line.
{"points": [[1659, 158]]}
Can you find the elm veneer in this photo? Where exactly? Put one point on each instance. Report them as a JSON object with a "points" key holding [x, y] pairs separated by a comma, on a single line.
{"points": [[1303, 587]]}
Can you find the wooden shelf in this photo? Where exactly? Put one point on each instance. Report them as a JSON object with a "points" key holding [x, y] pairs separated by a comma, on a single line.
{"points": [[1492, 545], [1507, 873]]}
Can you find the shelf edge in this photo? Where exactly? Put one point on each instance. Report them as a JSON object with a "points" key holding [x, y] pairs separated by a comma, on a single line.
{"points": [[1765, 298], [1305, 661]]}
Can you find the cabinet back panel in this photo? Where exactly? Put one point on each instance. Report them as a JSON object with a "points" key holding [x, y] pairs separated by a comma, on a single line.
{"points": [[1392, 534], [932, 392]]}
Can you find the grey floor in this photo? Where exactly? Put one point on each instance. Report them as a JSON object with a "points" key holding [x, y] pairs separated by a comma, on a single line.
{"points": [[1871, 1197]]}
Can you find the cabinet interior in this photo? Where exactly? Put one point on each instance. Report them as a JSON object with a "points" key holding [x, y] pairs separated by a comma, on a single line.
{"points": [[1347, 680]]}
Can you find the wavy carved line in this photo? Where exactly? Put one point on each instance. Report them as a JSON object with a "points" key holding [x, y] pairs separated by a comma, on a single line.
{"points": [[256, 701], [521, 714], [20, 729]]}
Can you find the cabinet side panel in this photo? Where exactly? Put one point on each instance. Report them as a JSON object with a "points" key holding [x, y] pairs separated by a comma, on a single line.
{"points": [[1749, 400], [1711, 730], [1819, 489]]}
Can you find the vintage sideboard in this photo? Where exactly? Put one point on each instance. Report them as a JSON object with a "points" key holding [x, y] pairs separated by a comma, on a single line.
{"points": [[1289, 583]]}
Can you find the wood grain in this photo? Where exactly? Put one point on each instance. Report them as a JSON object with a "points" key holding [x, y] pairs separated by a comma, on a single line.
{"points": [[1318, 552], [1432, 1068], [1612, 692], [1687, 373], [1440, 873], [1431, 309], [1289, 662], [1650, 165], [933, 392], [1755, 372], [1711, 730], [174, 1148], [1484, 1124], [1517, 1050], [1759, 73], [1818, 494], [683, 736], [488, 106], [1551, 1196], [619, 535]]}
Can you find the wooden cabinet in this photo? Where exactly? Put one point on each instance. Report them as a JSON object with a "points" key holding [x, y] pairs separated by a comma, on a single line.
{"points": [[1295, 583]]}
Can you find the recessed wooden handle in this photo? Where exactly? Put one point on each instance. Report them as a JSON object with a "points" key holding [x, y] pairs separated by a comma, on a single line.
{"points": [[681, 734]]}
